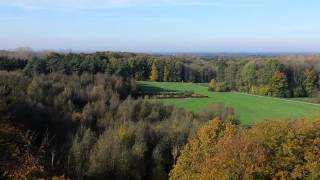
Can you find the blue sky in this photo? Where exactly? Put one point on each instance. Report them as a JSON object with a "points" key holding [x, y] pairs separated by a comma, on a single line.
{"points": [[162, 25]]}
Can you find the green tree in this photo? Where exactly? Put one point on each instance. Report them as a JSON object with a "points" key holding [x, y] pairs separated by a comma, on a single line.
{"points": [[165, 74], [268, 69], [221, 65], [231, 76], [248, 74]]}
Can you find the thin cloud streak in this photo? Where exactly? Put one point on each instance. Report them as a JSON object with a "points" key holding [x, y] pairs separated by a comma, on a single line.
{"points": [[107, 4], [89, 4]]}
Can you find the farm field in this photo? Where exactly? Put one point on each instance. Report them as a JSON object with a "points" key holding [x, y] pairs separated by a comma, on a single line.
{"points": [[249, 108]]}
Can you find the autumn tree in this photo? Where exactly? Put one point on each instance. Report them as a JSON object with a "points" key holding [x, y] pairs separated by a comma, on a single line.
{"points": [[268, 150], [218, 110], [217, 86], [219, 151], [310, 81], [291, 148], [197, 150], [154, 72], [278, 84], [212, 85]]}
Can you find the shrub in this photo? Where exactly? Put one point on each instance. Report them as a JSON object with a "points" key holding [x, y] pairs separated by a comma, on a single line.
{"points": [[217, 86], [212, 85]]}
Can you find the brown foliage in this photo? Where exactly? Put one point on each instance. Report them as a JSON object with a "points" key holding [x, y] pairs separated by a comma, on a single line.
{"points": [[271, 149], [18, 160]]}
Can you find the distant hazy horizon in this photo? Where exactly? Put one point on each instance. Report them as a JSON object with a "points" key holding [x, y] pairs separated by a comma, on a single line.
{"points": [[202, 26], [225, 53]]}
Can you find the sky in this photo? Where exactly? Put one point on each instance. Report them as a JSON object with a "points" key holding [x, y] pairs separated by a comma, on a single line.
{"points": [[161, 25]]}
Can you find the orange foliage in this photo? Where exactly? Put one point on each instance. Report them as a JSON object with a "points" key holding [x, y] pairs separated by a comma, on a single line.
{"points": [[271, 149], [19, 158], [18, 161]]}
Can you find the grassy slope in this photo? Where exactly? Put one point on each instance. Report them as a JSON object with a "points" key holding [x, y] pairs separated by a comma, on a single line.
{"points": [[304, 99], [250, 108]]}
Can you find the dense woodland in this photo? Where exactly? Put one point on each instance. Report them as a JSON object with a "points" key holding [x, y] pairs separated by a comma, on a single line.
{"points": [[270, 76], [78, 116], [88, 126]]}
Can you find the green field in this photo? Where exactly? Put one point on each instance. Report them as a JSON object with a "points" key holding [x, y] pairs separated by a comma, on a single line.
{"points": [[304, 99], [250, 108]]}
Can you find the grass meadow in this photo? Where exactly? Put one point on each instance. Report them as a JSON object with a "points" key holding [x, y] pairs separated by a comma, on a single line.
{"points": [[249, 108]]}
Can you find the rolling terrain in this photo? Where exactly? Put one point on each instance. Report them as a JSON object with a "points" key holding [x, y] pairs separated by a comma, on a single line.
{"points": [[250, 108]]}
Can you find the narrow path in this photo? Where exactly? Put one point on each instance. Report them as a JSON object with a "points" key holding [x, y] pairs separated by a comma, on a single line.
{"points": [[314, 104]]}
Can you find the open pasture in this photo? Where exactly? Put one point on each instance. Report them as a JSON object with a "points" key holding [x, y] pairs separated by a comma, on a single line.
{"points": [[250, 108]]}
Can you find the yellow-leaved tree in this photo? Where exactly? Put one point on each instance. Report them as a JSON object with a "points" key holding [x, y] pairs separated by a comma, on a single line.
{"points": [[154, 72], [268, 150]]}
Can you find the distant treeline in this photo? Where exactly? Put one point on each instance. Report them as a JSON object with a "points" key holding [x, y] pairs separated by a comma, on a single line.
{"points": [[11, 64], [137, 66], [281, 77], [268, 77]]}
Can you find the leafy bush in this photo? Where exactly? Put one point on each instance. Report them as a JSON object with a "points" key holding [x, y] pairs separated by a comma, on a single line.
{"points": [[217, 86]]}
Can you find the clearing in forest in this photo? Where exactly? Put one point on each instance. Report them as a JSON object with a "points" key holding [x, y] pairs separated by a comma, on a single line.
{"points": [[249, 108]]}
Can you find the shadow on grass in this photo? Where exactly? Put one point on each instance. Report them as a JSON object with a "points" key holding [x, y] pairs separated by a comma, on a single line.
{"points": [[145, 88]]}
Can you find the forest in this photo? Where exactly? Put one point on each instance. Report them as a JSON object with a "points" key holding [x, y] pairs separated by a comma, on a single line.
{"points": [[268, 76], [80, 116]]}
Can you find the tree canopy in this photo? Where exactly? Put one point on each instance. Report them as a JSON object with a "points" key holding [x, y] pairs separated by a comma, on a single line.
{"points": [[271, 149]]}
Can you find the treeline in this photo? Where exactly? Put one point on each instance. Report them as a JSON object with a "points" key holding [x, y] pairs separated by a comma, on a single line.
{"points": [[298, 77], [11, 64], [268, 77], [268, 150], [137, 66], [89, 126]]}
